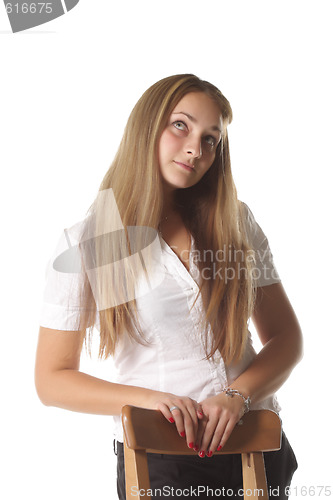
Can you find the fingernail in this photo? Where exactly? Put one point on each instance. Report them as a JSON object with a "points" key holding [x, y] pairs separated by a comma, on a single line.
{"points": [[209, 454], [219, 448], [182, 434], [196, 448], [201, 454], [171, 420], [190, 445], [200, 413]]}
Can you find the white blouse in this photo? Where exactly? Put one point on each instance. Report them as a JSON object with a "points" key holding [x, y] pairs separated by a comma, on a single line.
{"points": [[172, 358]]}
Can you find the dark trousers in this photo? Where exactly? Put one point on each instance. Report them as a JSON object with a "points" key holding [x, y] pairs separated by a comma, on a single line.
{"points": [[189, 476]]}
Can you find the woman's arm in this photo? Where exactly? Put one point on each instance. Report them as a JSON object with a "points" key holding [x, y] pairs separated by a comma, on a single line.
{"points": [[280, 333], [60, 383], [281, 336]]}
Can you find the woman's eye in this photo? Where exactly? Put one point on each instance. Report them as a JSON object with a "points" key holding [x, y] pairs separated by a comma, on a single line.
{"points": [[211, 141], [179, 125]]}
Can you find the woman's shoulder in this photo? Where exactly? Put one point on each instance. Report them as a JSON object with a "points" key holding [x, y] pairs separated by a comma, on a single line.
{"points": [[253, 232], [248, 223], [246, 214]]}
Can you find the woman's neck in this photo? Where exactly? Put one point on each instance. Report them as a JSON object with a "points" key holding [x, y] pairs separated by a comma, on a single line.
{"points": [[169, 206]]}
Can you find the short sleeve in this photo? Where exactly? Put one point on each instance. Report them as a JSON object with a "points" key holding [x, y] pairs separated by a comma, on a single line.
{"points": [[64, 281], [264, 271]]}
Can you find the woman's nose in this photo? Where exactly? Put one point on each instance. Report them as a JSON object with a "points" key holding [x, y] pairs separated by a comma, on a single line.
{"points": [[193, 147]]}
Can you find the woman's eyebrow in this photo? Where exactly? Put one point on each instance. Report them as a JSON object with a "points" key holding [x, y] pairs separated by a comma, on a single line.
{"points": [[194, 120]]}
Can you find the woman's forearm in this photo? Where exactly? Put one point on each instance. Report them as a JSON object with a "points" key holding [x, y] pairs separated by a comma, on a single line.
{"points": [[271, 367], [77, 391]]}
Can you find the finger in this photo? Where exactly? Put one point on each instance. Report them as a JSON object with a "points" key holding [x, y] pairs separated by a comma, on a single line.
{"points": [[200, 413], [207, 436], [201, 430], [178, 413], [165, 410], [190, 420], [182, 412], [216, 439], [178, 416], [219, 442]]}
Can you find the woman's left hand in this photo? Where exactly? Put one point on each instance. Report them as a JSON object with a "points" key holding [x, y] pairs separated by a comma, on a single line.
{"points": [[221, 413]]}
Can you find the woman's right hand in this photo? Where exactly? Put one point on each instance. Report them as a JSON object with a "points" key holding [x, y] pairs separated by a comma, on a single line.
{"points": [[186, 414]]}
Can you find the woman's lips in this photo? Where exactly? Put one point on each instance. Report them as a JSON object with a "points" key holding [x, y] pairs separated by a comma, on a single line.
{"points": [[185, 166]]}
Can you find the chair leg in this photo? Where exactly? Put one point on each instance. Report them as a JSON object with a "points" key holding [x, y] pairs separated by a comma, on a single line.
{"points": [[254, 476], [136, 473]]}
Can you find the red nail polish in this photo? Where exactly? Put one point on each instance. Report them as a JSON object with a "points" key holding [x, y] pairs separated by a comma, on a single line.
{"points": [[182, 434], [201, 454], [190, 445], [219, 448], [209, 454], [196, 448], [171, 420]]}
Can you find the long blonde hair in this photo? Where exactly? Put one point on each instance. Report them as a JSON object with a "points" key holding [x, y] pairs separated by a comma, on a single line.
{"points": [[210, 210]]}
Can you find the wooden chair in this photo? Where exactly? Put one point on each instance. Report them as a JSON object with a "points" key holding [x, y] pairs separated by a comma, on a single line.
{"points": [[149, 431]]}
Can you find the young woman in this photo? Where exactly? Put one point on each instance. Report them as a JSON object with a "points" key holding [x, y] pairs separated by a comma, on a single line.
{"points": [[172, 302]]}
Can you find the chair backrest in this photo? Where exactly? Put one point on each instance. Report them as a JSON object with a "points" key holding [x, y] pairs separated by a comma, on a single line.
{"points": [[149, 431]]}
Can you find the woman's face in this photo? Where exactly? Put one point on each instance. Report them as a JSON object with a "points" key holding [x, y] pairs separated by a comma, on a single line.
{"points": [[188, 144]]}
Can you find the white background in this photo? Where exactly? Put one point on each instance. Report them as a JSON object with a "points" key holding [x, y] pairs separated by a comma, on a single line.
{"points": [[67, 88]]}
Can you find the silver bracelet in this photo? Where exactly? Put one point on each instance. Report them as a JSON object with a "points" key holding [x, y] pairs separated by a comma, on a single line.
{"points": [[233, 392]]}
